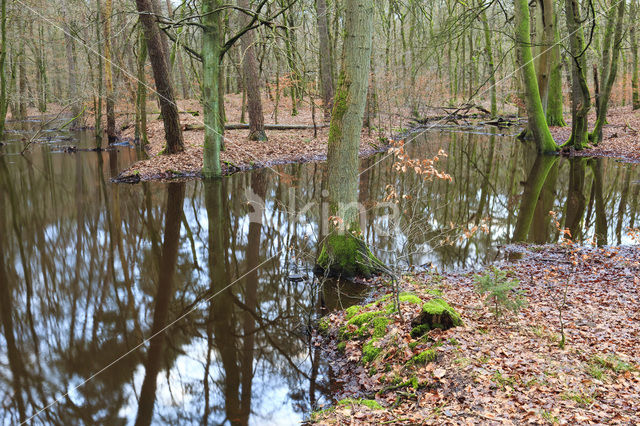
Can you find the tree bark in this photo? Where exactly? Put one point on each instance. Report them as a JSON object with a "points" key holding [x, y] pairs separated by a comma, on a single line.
{"points": [[3, 56], [164, 87], [344, 253], [108, 73], [634, 54], [251, 79], [609, 75], [324, 58], [211, 49], [580, 98], [535, 112], [555, 102]]}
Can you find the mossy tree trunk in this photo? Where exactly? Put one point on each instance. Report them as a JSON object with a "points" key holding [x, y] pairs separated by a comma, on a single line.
{"points": [[3, 56], [609, 74], [546, 27], [141, 96], [634, 55], [211, 54], [554, 104], [343, 252], [580, 98], [535, 112]]}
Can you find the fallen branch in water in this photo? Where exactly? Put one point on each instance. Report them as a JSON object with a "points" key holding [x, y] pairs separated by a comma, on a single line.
{"points": [[42, 127]]}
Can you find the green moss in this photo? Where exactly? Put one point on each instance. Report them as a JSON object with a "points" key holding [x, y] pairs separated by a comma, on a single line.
{"points": [[364, 318], [352, 311], [380, 326], [342, 346], [348, 256], [370, 403], [420, 330], [410, 298], [370, 351], [324, 325], [423, 357], [440, 306]]}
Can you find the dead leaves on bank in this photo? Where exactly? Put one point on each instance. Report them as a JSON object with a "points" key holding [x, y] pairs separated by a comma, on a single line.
{"points": [[513, 371]]}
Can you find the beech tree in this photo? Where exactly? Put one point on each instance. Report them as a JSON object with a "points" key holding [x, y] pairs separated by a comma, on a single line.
{"points": [[164, 86], [251, 79], [535, 111], [344, 253]]}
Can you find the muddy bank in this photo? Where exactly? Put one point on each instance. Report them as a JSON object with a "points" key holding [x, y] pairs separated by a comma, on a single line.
{"points": [[506, 369]]}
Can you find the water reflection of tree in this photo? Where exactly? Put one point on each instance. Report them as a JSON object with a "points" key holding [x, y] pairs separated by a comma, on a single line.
{"points": [[165, 290]]}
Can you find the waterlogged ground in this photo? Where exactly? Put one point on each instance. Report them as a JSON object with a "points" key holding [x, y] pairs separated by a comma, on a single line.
{"points": [[84, 279]]}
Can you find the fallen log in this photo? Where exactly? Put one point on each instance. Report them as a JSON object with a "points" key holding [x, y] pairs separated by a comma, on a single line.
{"points": [[240, 126]]}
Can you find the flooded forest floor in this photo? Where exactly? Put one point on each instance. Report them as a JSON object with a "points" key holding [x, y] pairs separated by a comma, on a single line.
{"points": [[310, 144], [499, 366]]}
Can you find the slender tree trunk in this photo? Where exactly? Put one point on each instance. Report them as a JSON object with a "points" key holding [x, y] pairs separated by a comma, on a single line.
{"points": [[211, 48], [251, 80], [141, 97], [607, 81], [535, 111], [344, 253], [108, 73], [490, 65], [3, 56], [555, 102], [324, 58], [97, 101], [635, 96], [164, 87], [547, 25], [72, 64], [580, 98]]}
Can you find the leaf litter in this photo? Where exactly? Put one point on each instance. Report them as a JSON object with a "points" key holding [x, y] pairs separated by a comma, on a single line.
{"points": [[508, 370]]}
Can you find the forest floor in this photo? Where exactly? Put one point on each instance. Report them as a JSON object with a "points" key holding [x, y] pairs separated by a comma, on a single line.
{"points": [[621, 139], [621, 135], [496, 370], [283, 146]]}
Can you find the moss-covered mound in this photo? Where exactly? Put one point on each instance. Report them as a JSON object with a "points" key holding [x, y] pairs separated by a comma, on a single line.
{"points": [[436, 313]]}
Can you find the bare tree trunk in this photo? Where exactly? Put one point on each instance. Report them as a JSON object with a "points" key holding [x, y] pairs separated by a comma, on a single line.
{"points": [[251, 80], [635, 96], [326, 74], [72, 64], [108, 74], [159, 63]]}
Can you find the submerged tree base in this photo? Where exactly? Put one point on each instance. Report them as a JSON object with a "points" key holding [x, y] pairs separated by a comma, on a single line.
{"points": [[347, 256]]}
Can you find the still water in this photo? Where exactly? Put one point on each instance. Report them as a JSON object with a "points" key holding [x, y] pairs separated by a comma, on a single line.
{"points": [[91, 269]]}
